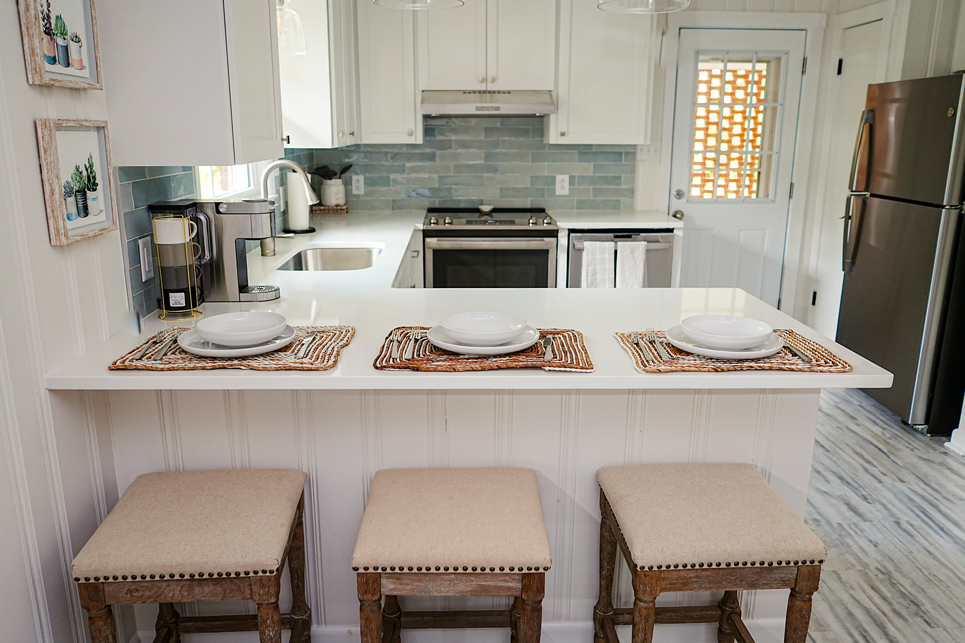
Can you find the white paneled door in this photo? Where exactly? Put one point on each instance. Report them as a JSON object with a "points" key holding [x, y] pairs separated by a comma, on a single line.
{"points": [[735, 127]]}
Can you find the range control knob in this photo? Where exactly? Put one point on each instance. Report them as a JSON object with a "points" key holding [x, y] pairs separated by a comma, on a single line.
{"points": [[533, 221], [448, 221], [548, 220], [433, 221]]}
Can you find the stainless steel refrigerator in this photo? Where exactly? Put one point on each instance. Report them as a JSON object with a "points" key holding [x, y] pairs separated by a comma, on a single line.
{"points": [[903, 298]]}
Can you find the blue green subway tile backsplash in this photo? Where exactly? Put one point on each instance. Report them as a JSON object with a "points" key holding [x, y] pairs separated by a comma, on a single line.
{"points": [[137, 187], [465, 162]]}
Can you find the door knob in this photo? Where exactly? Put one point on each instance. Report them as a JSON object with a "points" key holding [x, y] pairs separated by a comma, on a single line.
{"points": [[679, 194], [678, 214]]}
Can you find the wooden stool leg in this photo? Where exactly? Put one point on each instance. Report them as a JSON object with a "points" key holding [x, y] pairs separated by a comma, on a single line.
{"points": [[530, 622], [167, 624], [646, 588], [99, 614], [265, 591], [799, 604], [301, 613], [392, 619], [728, 606], [370, 607], [514, 612], [608, 553]]}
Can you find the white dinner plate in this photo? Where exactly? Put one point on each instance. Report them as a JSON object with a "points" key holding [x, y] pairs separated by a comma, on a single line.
{"points": [[527, 338], [726, 332], [482, 328], [243, 329], [678, 338], [192, 342]]}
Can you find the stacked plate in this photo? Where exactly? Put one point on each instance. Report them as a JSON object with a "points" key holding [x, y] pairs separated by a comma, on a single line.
{"points": [[238, 335], [725, 336], [483, 333]]}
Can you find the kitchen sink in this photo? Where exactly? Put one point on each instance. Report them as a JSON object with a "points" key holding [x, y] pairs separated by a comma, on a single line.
{"points": [[333, 259]]}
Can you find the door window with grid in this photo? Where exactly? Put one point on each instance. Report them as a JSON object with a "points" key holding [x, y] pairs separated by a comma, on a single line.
{"points": [[737, 114]]}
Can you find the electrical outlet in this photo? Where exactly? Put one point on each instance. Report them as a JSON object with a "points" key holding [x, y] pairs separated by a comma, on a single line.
{"points": [[562, 184], [147, 258], [358, 184]]}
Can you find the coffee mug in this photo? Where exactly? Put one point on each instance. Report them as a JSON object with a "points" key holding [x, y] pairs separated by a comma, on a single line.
{"points": [[174, 230]]}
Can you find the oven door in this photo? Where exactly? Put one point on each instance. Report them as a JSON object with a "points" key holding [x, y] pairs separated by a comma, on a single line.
{"points": [[490, 262]]}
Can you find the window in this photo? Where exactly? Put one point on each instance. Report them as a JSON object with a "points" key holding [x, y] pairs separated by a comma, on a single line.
{"points": [[218, 181], [736, 113]]}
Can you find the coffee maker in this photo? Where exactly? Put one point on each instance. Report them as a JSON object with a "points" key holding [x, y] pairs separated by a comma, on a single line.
{"points": [[226, 227]]}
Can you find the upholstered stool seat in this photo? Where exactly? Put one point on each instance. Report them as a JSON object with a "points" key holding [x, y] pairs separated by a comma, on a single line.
{"points": [[701, 527], [196, 536], [457, 532]]}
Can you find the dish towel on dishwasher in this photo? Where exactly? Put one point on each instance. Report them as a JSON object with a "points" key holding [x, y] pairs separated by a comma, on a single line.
{"points": [[631, 264], [598, 264]]}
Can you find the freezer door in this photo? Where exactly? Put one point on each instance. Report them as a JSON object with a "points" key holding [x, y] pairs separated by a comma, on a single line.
{"points": [[889, 304], [907, 144]]}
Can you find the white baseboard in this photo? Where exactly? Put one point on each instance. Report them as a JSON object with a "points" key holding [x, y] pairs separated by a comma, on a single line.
{"points": [[957, 442], [764, 631]]}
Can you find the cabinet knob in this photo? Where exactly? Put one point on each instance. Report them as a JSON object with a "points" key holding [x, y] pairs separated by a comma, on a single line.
{"points": [[562, 133], [482, 79], [287, 139], [341, 134], [409, 133], [678, 214], [492, 79], [351, 133]]}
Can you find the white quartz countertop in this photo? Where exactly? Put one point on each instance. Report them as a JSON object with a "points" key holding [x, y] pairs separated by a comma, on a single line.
{"points": [[365, 299]]}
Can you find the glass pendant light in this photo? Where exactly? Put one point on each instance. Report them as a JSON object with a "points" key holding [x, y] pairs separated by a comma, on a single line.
{"points": [[642, 6], [420, 5], [291, 33]]}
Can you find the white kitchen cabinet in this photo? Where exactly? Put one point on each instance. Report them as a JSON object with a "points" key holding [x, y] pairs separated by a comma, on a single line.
{"points": [[605, 83], [411, 273], [319, 88], [387, 86], [191, 82], [488, 44]]}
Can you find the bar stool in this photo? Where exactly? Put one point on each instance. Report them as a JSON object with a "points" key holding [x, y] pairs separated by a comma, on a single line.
{"points": [[701, 527], [200, 536], [452, 532]]}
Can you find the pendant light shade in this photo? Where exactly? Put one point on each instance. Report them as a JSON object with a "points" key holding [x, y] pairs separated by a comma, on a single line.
{"points": [[291, 33], [420, 5], [642, 6]]}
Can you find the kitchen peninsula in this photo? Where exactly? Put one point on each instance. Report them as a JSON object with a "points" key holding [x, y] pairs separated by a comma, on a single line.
{"points": [[342, 425]]}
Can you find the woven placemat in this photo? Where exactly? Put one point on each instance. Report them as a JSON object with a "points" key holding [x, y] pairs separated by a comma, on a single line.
{"points": [[822, 360], [322, 355], [569, 354]]}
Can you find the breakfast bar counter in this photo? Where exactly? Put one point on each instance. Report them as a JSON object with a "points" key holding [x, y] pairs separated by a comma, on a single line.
{"points": [[342, 425]]}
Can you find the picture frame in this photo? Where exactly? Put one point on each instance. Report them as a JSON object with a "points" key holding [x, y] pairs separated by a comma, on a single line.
{"points": [[60, 43], [77, 173]]}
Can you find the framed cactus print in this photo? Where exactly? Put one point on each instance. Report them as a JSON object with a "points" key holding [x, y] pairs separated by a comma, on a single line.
{"points": [[75, 165], [60, 43]]}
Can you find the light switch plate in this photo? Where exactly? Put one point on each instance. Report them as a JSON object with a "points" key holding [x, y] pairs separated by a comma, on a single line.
{"points": [[562, 184], [358, 184], [147, 258]]}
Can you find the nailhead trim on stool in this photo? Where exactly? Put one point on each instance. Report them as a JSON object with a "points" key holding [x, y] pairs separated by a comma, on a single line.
{"points": [[701, 527], [452, 532]]}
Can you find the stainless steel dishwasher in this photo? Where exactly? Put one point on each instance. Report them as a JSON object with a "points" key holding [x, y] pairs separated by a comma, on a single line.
{"points": [[659, 268]]}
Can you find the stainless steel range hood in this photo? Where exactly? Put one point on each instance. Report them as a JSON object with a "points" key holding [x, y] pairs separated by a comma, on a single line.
{"points": [[487, 103]]}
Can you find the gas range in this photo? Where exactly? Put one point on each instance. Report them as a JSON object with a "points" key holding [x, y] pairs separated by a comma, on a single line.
{"points": [[487, 218]]}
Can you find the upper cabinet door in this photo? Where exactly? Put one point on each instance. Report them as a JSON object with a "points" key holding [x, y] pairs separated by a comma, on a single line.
{"points": [[452, 47], [306, 87], [605, 80], [521, 39], [224, 106], [386, 61]]}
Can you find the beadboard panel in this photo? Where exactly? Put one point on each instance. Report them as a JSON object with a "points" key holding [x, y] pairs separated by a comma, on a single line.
{"points": [[341, 438]]}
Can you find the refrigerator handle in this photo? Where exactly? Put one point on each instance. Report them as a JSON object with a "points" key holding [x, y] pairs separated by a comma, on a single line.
{"points": [[867, 122], [852, 230]]}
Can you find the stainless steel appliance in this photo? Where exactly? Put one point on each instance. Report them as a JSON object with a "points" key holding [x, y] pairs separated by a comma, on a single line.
{"points": [[659, 262], [903, 297], [227, 226], [490, 248], [491, 102]]}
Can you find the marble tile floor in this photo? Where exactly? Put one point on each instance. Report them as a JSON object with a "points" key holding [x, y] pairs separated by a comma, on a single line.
{"points": [[889, 504]]}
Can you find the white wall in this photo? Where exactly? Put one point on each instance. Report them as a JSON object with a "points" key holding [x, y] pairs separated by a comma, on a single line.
{"points": [[55, 301]]}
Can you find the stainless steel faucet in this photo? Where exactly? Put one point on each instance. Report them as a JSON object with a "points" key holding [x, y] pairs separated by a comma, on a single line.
{"points": [[268, 245]]}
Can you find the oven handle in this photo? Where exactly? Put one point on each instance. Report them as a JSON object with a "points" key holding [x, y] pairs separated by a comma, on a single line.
{"points": [[487, 243]]}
